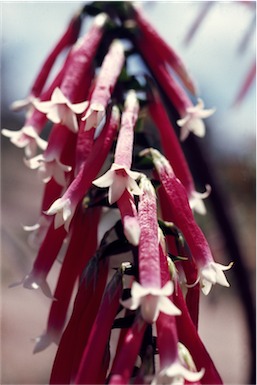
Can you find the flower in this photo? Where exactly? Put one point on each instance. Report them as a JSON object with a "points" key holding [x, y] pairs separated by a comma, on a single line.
{"points": [[49, 167], [26, 137], [104, 85], [118, 179], [152, 301], [63, 210], [193, 120], [60, 110], [176, 374], [196, 200], [212, 273]]}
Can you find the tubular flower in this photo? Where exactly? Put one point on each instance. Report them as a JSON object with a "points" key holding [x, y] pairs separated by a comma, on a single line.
{"points": [[49, 164], [175, 154], [26, 137], [133, 261], [60, 110], [149, 294], [183, 217], [65, 206], [104, 85], [193, 122], [120, 178]]}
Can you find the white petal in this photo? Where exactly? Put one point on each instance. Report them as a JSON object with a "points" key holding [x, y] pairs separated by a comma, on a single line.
{"points": [[167, 307], [58, 97], [69, 120], [78, 108], [43, 106], [57, 205], [105, 180], [150, 308], [117, 188], [54, 114], [197, 126], [138, 291]]}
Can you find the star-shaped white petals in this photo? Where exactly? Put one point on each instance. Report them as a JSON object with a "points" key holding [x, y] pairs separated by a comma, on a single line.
{"points": [[63, 210], [26, 137], [60, 110], [152, 301], [49, 167], [211, 274], [176, 374], [196, 200], [193, 122], [119, 178]]}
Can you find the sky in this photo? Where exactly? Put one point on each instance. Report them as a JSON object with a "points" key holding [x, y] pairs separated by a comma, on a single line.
{"points": [[30, 29]]}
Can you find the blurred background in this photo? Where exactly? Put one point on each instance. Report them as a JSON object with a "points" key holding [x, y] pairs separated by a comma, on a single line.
{"points": [[219, 52]]}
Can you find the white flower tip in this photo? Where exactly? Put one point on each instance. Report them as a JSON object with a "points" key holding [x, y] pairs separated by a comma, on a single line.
{"points": [[101, 19]]}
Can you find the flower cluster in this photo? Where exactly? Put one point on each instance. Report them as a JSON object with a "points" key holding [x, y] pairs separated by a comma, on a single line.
{"points": [[122, 205]]}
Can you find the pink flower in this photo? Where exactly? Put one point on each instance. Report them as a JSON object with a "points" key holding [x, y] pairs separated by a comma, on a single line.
{"points": [[193, 120], [82, 243], [61, 144], [183, 218], [125, 359], [104, 85], [65, 206], [60, 110], [26, 137], [174, 153], [149, 36], [128, 211], [120, 178], [149, 294], [91, 364], [76, 334]]}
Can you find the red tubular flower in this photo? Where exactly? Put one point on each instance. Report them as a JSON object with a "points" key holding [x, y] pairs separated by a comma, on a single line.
{"points": [[174, 153], [90, 365], [149, 294], [209, 271], [124, 362], [191, 116], [75, 336], [65, 207], [81, 248], [61, 144], [188, 335], [165, 52], [129, 217], [104, 85], [119, 177]]}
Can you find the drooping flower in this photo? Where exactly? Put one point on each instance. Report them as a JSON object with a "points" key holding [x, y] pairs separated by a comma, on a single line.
{"points": [[193, 120], [149, 293], [191, 116], [120, 177], [26, 137], [181, 215], [60, 110], [149, 36], [174, 153], [172, 368], [104, 85], [61, 145], [125, 359], [90, 368], [82, 244], [77, 331], [65, 206]]}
